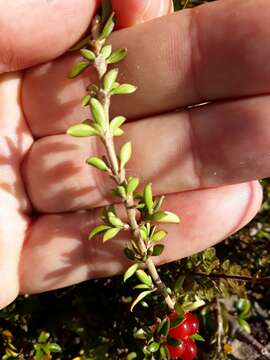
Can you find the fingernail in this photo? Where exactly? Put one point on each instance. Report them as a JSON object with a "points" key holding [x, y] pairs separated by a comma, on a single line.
{"points": [[157, 8]]}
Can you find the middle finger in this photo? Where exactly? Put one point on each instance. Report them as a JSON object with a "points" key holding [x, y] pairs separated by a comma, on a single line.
{"points": [[177, 151]]}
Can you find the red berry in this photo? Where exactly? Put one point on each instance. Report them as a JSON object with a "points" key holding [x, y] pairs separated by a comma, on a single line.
{"points": [[190, 351], [182, 331], [176, 351], [193, 323]]}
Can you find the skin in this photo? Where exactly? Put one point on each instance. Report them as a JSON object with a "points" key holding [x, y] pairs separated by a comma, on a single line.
{"points": [[206, 159]]}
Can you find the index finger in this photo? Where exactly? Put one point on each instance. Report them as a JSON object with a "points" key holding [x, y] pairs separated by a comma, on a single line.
{"points": [[33, 31], [216, 51]]}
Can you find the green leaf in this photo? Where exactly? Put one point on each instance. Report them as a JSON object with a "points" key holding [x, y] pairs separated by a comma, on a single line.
{"points": [[164, 327], [109, 79], [140, 297], [54, 348], [172, 341], [159, 235], [244, 325], [108, 28], [106, 51], [118, 132], [39, 355], [158, 250], [110, 234], [165, 217], [243, 307], [140, 334], [131, 356], [141, 287], [179, 282], [81, 43], [78, 69], [116, 123], [179, 310], [98, 112], [148, 198], [121, 191], [133, 183], [88, 54], [164, 352], [97, 163], [114, 220], [176, 321], [117, 56], [125, 153], [97, 230], [43, 337], [86, 100], [82, 130], [153, 347], [124, 89], [197, 337], [144, 278], [194, 306], [130, 271]]}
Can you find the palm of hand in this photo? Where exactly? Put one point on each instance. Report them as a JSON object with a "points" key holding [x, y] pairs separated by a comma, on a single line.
{"points": [[44, 181]]}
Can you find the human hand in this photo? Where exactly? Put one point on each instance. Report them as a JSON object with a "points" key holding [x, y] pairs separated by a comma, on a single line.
{"points": [[195, 155]]}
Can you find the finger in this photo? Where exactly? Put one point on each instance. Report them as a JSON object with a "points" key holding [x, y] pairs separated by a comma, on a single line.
{"points": [[15, 141], [203, 147], [63, 257], [133, 12], [37, 31], [175, 61]]}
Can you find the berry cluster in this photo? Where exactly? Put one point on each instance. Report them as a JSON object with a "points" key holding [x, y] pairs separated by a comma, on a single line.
{"points": [[187, 349]]}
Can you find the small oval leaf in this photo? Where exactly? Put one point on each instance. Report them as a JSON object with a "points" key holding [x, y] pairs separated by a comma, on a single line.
{"points": [[109, 79], [158, 250], [78, 69], [117, 56], [86, 100], [88, 54], [148, 198], [98, 230], [124, 89], [98, 112], [125, 153], [116, 123], [165, 217], [144, 278], [114, 220], [110, 234], [108, 28], [130, 271], [164, 327], [140, 297], [159, 235], [82, 130], [106, 51], [97, 163], [118, 132], [133, 183]]}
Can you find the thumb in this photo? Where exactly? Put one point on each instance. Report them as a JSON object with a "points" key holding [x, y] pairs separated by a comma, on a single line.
{"points": [[133, 12], [34, 31]]}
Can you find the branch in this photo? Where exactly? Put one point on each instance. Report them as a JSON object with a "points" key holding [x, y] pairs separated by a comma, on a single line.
{"points": [[247, 338], [262, 281]]}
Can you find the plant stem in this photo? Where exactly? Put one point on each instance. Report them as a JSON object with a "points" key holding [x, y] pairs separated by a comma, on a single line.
{"points": [[247, 338], [120, 178], [118, 173], [263, 281]]}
